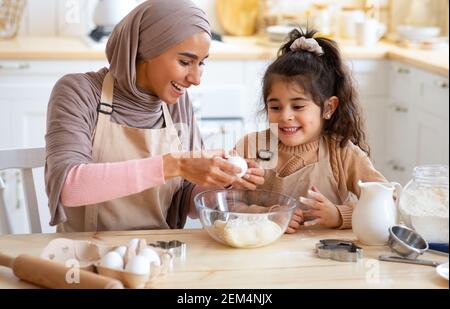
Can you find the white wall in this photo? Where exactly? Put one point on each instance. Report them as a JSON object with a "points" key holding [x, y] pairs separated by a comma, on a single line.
{"points": [[57, 17]]}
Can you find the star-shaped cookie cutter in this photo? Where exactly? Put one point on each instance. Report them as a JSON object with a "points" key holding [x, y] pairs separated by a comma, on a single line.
{"points": [[339, 250]]}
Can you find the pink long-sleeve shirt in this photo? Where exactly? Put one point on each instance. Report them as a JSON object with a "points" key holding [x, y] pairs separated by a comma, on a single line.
{"points": [[94, 183]]}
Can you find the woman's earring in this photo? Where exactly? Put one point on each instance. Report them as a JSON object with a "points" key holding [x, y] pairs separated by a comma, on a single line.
{"points": [[327, 116]]}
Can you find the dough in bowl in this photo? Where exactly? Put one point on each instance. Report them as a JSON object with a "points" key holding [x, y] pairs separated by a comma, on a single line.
{"points": [[248, 232]]}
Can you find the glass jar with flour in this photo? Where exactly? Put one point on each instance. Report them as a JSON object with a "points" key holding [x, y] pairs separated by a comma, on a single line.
{"points": [[423, 203]]}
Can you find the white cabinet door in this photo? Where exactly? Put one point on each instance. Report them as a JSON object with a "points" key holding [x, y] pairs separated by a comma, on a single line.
{"points": [[431, 118], [404, 93], [404, 83], [254, 73], [370, 79], [434, 94], [417, 121], [29, 123], [25, 88], [219, 103], [431, 133], [5, 124], [375, 116], [400, 141], [371, 83]]}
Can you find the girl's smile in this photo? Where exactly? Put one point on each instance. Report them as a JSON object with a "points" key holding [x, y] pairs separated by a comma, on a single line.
{"points": [[298, 117], [289, 130]]}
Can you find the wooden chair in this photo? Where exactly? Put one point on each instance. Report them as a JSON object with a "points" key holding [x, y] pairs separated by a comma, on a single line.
{"points": [[25, 160]]}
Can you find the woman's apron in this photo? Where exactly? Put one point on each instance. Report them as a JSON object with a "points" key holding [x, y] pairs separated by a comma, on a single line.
{"points": [[298, 183], [113, 142]]}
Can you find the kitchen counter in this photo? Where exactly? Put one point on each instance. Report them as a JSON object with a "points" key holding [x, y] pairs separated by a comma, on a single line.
{"points": [[287, 263], [233, 48]]}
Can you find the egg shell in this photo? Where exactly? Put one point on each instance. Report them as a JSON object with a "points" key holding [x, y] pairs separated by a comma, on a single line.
{"points": [[121, 250], [133, 244], [138, 265], [112, 259], [239, 162], [151, 255]]}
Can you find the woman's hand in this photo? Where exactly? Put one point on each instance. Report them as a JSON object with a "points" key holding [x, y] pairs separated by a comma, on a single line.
{"points": [[326, 212], [253, 177], [296, 221], [201, 168]]}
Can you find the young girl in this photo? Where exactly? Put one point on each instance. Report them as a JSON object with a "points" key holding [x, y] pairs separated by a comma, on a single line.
{"points": [[320, 151]]}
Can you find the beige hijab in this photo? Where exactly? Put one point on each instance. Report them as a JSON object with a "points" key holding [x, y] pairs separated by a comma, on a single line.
{"points": [[146, 32]]}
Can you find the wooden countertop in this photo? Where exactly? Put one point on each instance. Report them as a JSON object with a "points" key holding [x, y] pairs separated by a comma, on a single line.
{"points": [[287, 263], [234, 48]]}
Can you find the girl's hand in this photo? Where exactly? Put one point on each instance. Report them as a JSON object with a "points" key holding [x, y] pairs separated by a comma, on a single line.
{"points": [[253, 177], [326, 212], [296, 221], [204, 168]]}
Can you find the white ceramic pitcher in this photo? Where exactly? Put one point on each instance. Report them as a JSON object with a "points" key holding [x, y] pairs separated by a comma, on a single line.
{"points": [[375, 212]]}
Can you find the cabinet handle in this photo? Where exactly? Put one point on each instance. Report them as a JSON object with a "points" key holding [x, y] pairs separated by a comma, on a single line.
{"points": [[398, 168], [402, 70], [441, 84], [16, 66], [395, 166], [399, 108]]}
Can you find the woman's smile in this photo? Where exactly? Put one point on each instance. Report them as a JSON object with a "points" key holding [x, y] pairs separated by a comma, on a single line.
{"points": [[178, 89]]}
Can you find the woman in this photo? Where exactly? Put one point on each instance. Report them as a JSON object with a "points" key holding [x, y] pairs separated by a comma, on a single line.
{"points": [[115, 160]]}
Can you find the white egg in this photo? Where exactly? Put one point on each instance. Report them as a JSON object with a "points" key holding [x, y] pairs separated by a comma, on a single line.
{"points": [[121, 250], [151, 255], [133, 244], [239, 162], [112, 259], [138, 265]]}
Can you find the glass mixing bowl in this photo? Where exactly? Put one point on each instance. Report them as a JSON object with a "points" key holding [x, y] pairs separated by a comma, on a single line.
{"points": [[244, 219]]}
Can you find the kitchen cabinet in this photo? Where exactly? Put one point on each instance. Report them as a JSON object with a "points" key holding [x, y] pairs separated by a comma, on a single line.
{"points": [[417, 121], [431, 120], [370, 80], [406, 109], [227, 100], [218, 103], [25, 88]]}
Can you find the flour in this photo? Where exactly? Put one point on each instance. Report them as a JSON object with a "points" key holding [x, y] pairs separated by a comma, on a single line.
{"points": [[427, 210], [248, 231], [431, 202]]}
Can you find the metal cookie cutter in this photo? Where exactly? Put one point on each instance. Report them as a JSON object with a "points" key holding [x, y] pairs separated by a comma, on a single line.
{"points": [[175, 247], [339, 250]]}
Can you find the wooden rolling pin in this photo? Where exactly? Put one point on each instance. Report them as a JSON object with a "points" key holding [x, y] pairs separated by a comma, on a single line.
{"points": [[49, 274]]}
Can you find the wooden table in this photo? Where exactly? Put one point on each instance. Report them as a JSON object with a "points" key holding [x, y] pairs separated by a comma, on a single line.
{"points": [[288, 263]]}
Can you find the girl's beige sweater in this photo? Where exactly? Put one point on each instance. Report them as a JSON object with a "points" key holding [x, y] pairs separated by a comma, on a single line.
{"points": [[349, 164]]}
